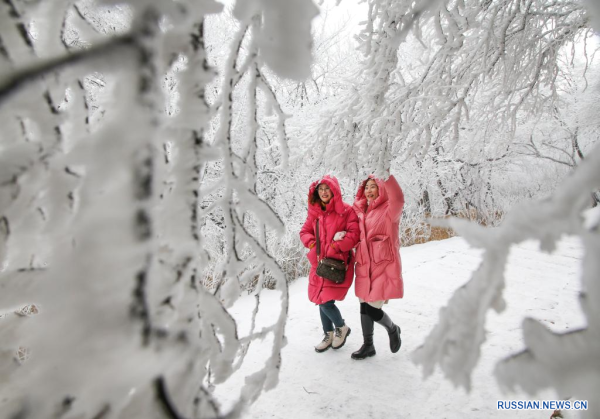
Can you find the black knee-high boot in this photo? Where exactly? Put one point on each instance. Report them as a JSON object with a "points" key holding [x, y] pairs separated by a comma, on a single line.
{"points": [[367, 349], [393, 331]]}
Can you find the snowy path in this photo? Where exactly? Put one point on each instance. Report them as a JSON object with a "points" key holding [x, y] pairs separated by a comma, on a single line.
{"points": [[331, 385]]}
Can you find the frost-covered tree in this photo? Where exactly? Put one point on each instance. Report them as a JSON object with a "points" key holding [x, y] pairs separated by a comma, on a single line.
{"points": [[108, 129], [445, 87], [566, 129], [478, 65], [300, 100]]}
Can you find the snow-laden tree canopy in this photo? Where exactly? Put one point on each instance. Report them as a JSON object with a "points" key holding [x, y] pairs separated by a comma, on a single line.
{"points": [[457, 92], [107, 133]]}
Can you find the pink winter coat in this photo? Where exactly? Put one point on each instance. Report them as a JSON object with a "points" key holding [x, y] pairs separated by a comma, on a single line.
{"points": [[337, 216], [378, 264]]}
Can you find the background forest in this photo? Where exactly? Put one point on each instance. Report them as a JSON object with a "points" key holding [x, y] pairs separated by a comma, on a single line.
{"points": [[155, 158]]}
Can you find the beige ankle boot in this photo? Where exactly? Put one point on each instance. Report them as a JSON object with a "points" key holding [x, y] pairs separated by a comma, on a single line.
{"points": [[325, 343], [339, 336]]}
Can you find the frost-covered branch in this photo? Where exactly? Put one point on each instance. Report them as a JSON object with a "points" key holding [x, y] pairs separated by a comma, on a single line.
{"points": [[12, 82], [454, 343]]}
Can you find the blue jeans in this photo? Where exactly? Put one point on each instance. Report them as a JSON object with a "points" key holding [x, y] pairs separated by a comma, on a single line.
{"points": [[330, 316]]}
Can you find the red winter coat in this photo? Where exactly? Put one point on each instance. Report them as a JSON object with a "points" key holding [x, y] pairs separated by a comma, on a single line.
{"points": [[378, 264], [337, 216]]}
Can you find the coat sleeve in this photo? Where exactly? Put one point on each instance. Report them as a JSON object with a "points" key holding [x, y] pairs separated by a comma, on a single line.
{"points": [[307, 232], [395, 197], [352, 233]]}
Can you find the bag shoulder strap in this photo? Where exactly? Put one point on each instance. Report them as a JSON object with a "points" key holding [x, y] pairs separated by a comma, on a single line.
{"points": [[318, 241]]}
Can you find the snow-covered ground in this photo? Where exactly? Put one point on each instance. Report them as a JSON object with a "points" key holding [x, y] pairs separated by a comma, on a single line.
{"points": [[332, 385]]}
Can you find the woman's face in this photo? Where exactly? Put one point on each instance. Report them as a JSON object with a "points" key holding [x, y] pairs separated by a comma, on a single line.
{"points": [[371, 190], [325, 193]]}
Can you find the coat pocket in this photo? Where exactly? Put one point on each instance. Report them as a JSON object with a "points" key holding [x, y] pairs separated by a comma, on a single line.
{"points": [[381, 249], [359, 254]]}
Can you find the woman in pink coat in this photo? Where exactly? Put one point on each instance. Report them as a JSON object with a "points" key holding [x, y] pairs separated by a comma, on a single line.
{"points": [[379, 206], [338, 234]]}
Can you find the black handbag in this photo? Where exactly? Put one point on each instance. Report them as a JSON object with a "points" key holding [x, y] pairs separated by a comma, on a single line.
{"points": [[331, 269]]}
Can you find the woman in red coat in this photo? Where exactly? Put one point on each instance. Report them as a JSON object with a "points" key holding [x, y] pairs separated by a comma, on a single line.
{"points": [[338, 234], [379, 206]]}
